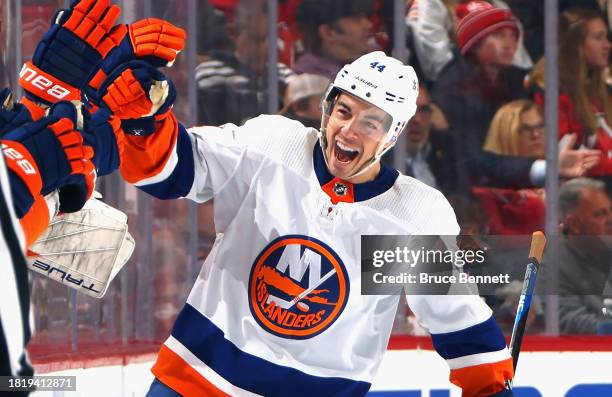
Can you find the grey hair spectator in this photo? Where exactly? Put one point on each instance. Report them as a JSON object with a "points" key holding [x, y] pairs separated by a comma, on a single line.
{"points": [[571, 191]]}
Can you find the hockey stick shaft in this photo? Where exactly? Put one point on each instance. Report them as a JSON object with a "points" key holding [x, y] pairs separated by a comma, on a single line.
{"points": [[309, 290], [538, 242]]}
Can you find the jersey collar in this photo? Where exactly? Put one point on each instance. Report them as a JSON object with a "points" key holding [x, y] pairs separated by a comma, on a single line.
{"points": [[339, 190]]}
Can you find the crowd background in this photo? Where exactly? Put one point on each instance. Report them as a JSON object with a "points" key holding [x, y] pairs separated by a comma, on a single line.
{"points": [[478, 135]]}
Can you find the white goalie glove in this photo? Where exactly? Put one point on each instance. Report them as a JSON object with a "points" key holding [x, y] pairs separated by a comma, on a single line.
{"points": [[84, 250]]}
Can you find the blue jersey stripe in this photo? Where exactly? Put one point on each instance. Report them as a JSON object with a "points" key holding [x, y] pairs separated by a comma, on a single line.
{"points": [[179, 182], [207, 342], [480, 338]]}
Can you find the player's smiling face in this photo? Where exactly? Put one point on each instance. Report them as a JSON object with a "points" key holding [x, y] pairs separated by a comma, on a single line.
{"points": [[354, 131]]}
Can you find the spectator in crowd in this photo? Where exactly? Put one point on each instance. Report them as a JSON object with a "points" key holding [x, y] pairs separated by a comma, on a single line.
{"points": [[429, 151], [233, 86], [584, 104], [584, 256], [433, 24], [516, 130], [334, 33], [474, 86], [212, 33], [303, 98]]}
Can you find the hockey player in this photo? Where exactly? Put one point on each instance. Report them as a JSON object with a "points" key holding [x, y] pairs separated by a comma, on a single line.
{"points": [[276, 309], [52, 155], [38, 158]]}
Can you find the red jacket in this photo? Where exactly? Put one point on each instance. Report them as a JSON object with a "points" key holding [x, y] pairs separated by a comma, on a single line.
{"points": [[511, 211], [569, 123]]}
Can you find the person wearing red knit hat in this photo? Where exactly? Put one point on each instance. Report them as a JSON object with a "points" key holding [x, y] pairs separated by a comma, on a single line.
{"points": [[474, 86], [482, 20], [471, 88], [433, 24]]}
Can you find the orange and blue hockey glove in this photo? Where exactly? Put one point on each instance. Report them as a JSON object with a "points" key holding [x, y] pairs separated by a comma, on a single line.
{"points": [[82, 46], [152, 40], [26, 184], [50, 154], [139, 94], [71, 51], [103, 132]]}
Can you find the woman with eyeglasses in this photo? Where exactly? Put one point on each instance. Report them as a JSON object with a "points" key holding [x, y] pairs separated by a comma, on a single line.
{"points": [[585, 108], [517, 129]]}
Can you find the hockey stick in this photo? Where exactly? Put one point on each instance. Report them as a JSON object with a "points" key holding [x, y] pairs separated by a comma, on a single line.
{"points": [[538, 241], [301, 296]]}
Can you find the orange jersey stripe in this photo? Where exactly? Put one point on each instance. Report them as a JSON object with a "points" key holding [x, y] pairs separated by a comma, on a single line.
{"points": [[146, 156], [177, 374], [484, 379]]}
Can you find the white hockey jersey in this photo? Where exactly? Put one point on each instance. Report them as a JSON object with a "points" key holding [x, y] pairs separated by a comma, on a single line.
{"points": [[276, 309]]}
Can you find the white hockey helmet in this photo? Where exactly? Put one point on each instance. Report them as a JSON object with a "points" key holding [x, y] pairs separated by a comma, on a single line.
{"points": [[382, 81]]}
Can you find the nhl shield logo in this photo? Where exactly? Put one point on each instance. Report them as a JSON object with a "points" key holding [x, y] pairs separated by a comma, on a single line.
{"points": [[340, 189], [298, 287]]}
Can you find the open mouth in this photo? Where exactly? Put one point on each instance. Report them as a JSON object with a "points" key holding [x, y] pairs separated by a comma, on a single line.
{"points": [[344, 154]]}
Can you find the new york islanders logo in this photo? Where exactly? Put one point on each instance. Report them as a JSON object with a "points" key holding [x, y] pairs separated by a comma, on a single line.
{"points": [[298, 287]]}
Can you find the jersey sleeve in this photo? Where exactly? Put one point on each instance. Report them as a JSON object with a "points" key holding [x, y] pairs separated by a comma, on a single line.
{"points": [[175, 162], [160, 164], [462, 327], [199, 162], [222, 155]]}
